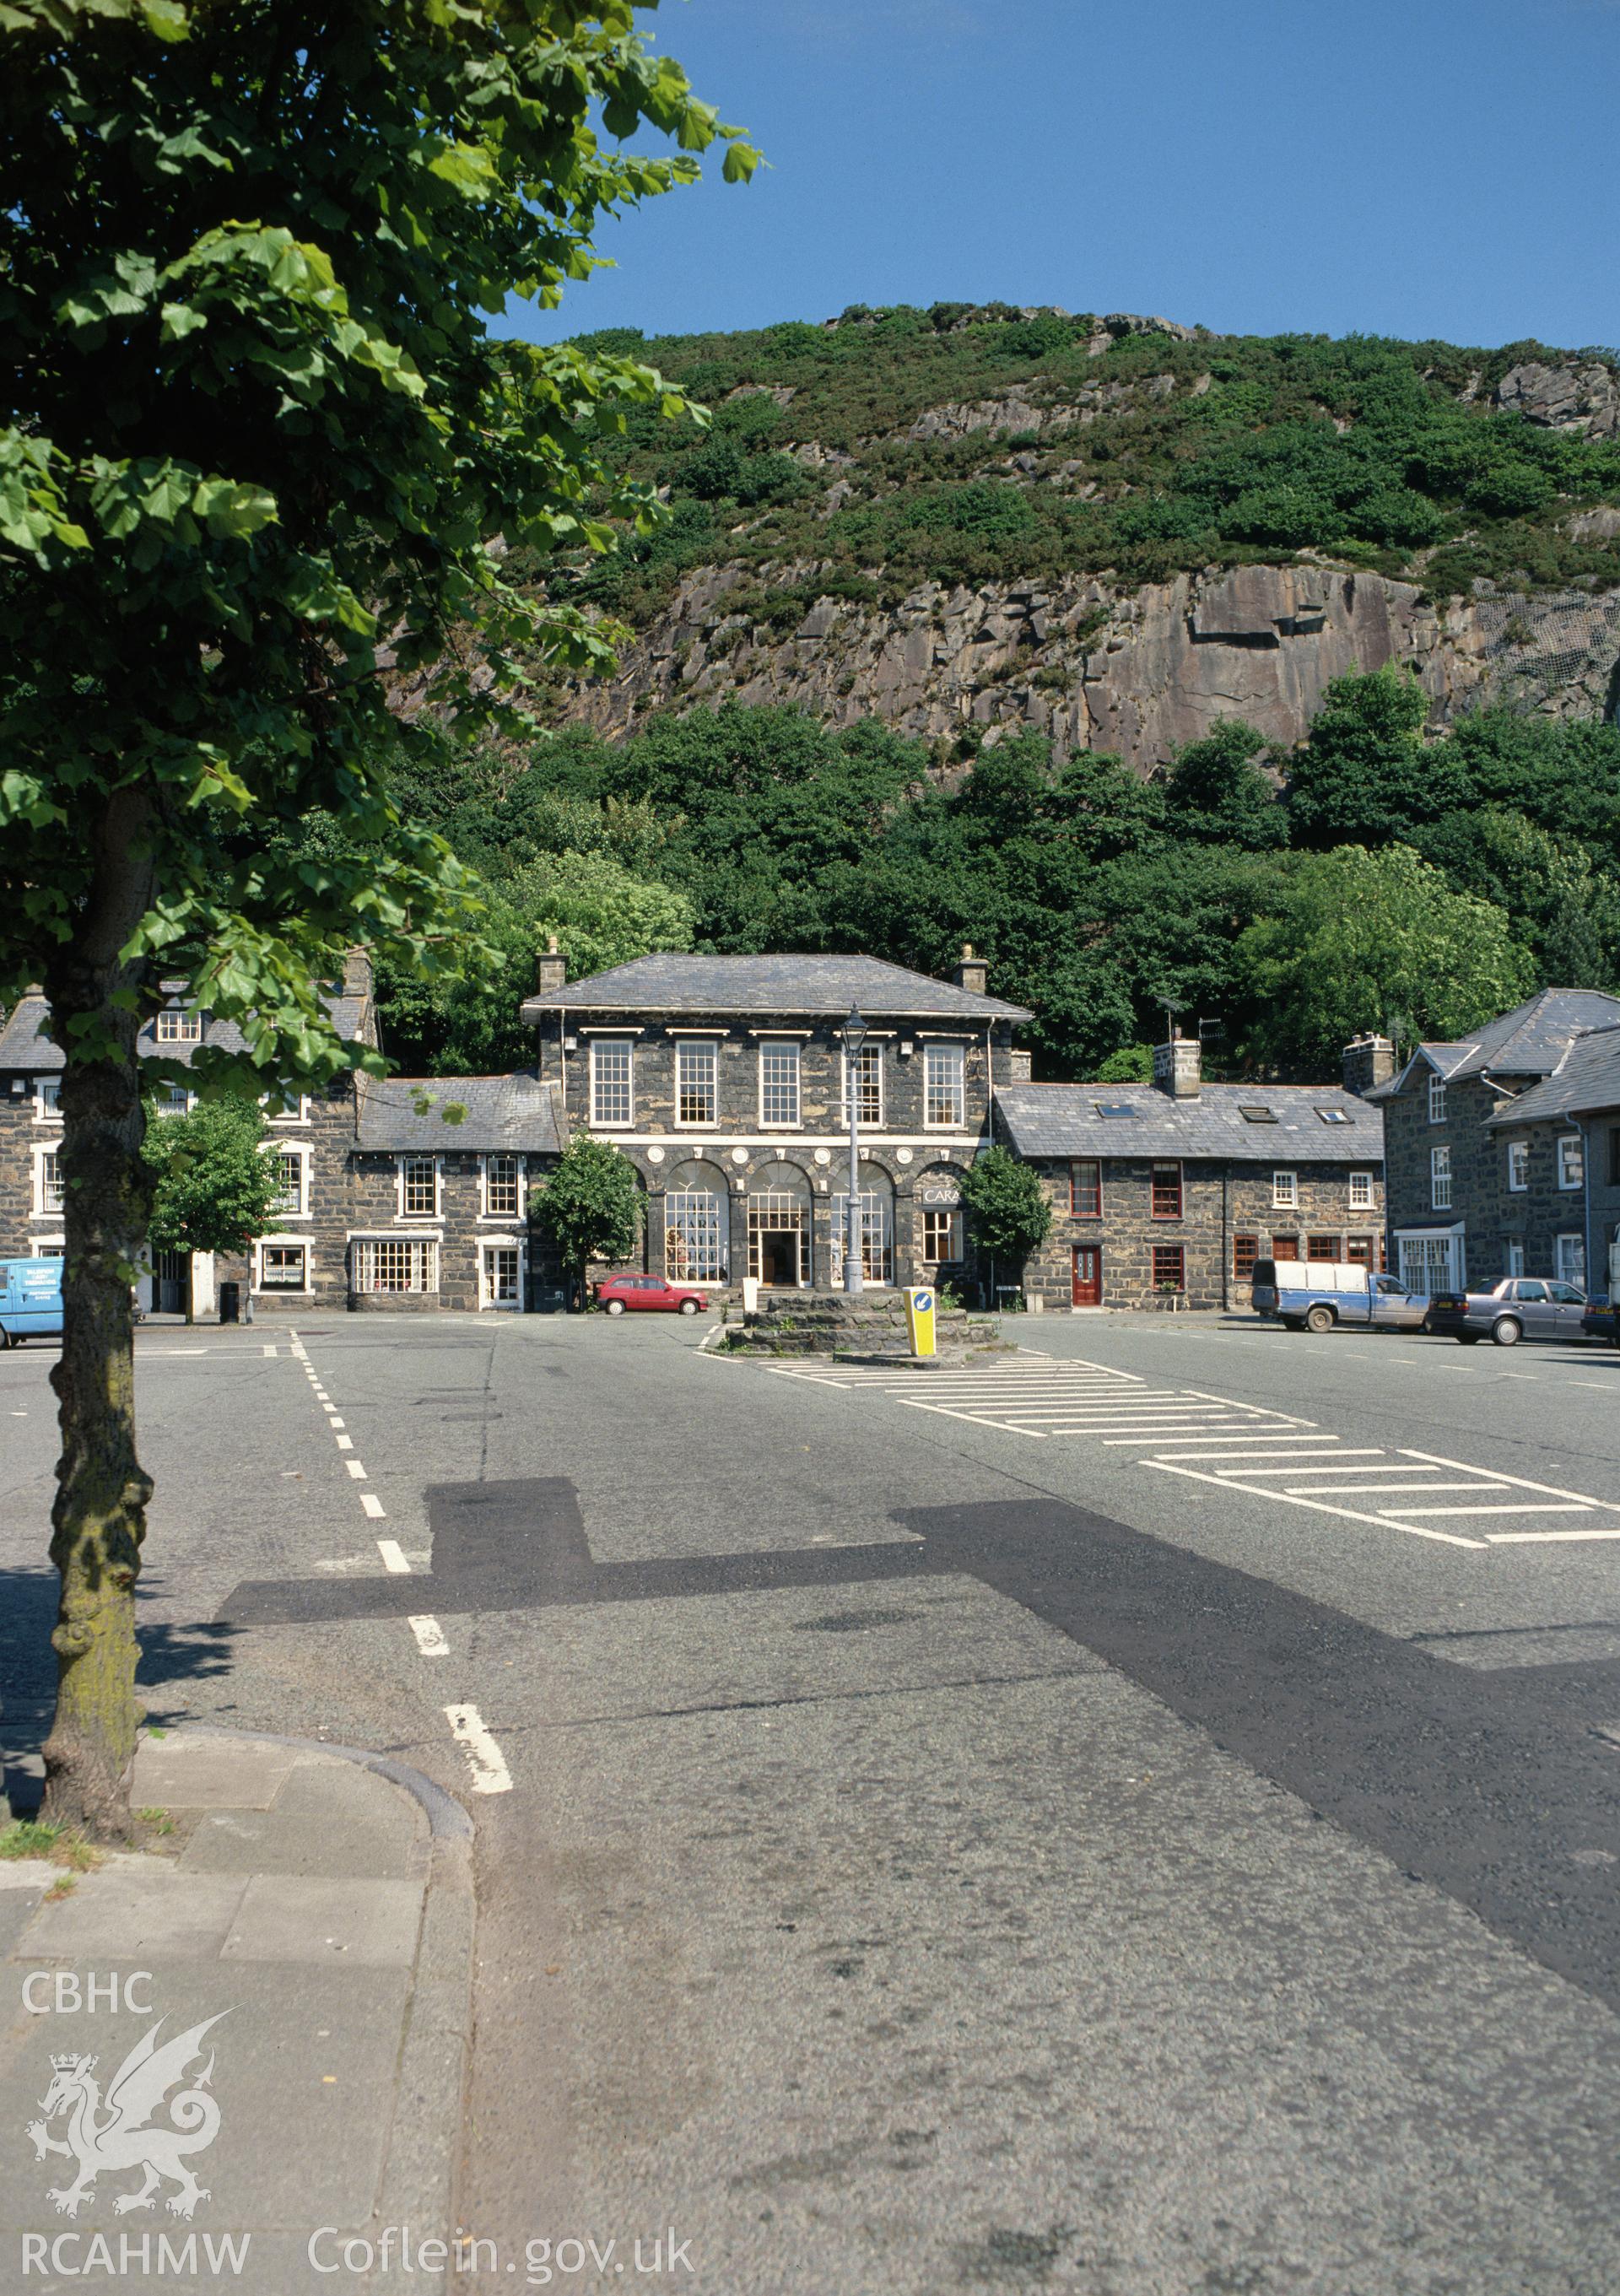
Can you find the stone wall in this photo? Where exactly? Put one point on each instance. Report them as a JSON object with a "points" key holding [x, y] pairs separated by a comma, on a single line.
{"points": [[1220, 1200]]}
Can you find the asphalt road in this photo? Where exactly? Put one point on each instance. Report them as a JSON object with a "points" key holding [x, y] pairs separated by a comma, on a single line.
{"points": [[1139, 1818]]}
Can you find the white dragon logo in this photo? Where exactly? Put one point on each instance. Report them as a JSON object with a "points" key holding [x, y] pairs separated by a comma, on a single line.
{"points": [[121, 2138]]}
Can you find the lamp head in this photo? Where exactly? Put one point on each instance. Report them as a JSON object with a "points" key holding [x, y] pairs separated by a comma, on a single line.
{"points": [[855, 1031]]}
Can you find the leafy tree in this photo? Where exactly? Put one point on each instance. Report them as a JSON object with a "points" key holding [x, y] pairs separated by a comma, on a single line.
{"points": [[590, 1206], [1362, 940], [600, 912], [1366, 775], [255, 426], [1130, 1065], [212, 1186], [1215, 790], [1011, 1211]]}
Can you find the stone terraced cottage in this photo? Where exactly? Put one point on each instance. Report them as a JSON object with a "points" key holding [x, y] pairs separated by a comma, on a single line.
{"points": [[1504, 1150], [725, 1081], [1164, 1194]]}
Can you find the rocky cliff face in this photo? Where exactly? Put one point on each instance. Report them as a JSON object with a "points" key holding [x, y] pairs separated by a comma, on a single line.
{"points": [[1138, 674]]}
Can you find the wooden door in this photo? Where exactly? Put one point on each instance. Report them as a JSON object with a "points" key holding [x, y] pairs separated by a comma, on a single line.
{"points": [[1088, 1276]]}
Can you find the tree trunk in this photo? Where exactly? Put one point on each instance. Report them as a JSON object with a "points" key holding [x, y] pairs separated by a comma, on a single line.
{"points": [[99, 1517]]}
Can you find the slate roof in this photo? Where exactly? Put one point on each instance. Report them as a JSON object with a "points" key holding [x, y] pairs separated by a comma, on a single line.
{"points": [[503, 1111], [23, 1044], [1061, 1120], [1530, 1040], [767, 986], [1587, 1078]]}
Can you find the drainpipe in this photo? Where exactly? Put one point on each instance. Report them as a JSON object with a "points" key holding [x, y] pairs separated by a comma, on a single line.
{"points": [[1589, 1258], [1225, 1239]]}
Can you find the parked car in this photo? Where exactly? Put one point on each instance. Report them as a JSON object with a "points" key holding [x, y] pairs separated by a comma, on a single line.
{"points": [[1517, 1308], [30, 1300], [1601, 1321], [1313, 1295], [616, 1294]]}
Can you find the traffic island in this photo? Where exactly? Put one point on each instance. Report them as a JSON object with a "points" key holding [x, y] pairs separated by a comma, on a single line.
{"points": [[858, 1327]]}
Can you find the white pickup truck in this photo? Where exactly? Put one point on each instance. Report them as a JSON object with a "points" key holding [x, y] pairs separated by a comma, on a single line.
{"points": [[1313, 1295]]}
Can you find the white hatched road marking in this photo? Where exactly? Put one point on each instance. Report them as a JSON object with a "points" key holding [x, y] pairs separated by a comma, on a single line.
{"points": [[1246, 1446]]}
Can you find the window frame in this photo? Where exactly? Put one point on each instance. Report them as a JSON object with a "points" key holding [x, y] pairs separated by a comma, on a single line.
{"points": [[706, 1210], [1519, 1162], [402, 1162], [368, 1247], [286, 1245], [1440, 1179], [50, 1199], [1166, 1252], [1515, 1256], [1245, 1252], [932, 1215], [177, 1024], [1077, 1209], [871, 1065], [1437, 1098], [956, 1055], [487, 1209], [295, 1153], [1171, 1164], [1364, 1190], [597, 1082], [1285, 1188], [685, 1049], [1567, 1142], [779, 1048], [48, 1110], [1572, 1238]]}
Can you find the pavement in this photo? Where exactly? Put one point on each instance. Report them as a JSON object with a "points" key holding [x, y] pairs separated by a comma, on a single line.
{"points": [[301, 1933], [1111, 1827]]}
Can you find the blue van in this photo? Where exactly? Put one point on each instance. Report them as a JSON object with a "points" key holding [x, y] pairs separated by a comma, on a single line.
{"points": [[30, 1299]]}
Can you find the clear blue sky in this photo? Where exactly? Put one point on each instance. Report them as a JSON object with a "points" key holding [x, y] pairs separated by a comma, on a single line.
{"points": [[1412, 168]]}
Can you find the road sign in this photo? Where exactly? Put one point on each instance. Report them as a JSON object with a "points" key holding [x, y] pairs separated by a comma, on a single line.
{"points": [[920, 1303]]}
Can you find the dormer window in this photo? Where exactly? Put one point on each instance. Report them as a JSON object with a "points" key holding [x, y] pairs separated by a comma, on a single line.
{"points": [[178, 1026], [1436, 1099]]}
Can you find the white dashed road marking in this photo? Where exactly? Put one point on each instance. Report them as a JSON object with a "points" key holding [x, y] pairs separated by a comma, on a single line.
{"points": [[372, 1505], [484, 1759], [393, 1555], [430, 1642], [1213, 1439]]}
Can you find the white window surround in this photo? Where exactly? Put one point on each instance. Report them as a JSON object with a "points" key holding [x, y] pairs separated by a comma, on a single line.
{"points": [[504, 1210], [613, 1082], [281, 1244], [870, 1105], [1362, 1191], [1432, 1258], [501, 1270], [395, 1263], [1516, 1258], [47, 1100], [1569, 1260], [1518, 1173], [945, 1085], [1440, 1179], [1285, 1191], [47, 1194], [696, 1080], [294, 1205], [408, 1180], [299, 1115], [1436, 1099], [1571, 1164], [779, 1083]]}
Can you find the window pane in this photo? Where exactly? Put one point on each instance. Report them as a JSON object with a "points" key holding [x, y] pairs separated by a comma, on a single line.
{"points": [[289, 1172], [283, 1269], [1321, 1247], [405, 1263], [869, 1085], [877, 1237], [1086, 1189], [941, 1236], [51, 1194], [779, 1083], [944, 1093], [610, 1083], [501, 1186], [1285, 1188], [1167, 1192], [1361, 1190], [696, 1083], [1169, 1266], [1245, 1251], [694, 1236], [419, 1191]]}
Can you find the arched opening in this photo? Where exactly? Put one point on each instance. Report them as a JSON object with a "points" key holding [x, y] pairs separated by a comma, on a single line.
{"points": [[697, 1224], [779, 1228], [877, 1217]]}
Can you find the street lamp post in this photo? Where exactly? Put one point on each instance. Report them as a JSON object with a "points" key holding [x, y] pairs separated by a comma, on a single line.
{"points": [[855, 1037]]}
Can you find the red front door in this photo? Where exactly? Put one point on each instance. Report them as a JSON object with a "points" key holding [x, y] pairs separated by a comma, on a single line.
{"points": [[1088, 1276]]}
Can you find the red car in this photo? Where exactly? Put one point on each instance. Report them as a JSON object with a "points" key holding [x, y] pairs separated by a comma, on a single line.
{"points": [[618, 1292]]}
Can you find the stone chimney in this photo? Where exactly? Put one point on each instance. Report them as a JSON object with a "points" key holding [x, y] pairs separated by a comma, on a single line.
{"points": [[357, 974], [973, 973], [1178, 1066], [1368, 1061], [552, 971]]}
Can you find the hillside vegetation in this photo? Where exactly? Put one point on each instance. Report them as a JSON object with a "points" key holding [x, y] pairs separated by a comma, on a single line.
{"points": [[963, 445]]}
